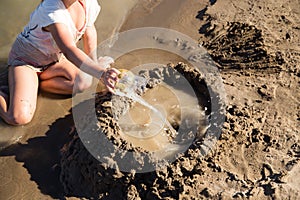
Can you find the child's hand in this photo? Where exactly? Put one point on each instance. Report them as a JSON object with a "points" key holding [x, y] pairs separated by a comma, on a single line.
{"points": [[110, 78]]}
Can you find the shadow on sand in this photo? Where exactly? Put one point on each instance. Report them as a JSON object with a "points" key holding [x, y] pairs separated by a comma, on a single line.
{"points": [[41, 156]]}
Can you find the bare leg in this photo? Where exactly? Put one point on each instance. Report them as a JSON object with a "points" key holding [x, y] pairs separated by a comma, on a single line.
{"points": [[23, 87], [3, 102], [64, 78]]}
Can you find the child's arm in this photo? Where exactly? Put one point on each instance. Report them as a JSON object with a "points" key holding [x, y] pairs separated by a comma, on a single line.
{"points": [[64, 41], [90, 42]]}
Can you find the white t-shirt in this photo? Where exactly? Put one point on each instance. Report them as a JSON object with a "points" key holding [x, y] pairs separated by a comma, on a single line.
{"points": [[50, 12]]}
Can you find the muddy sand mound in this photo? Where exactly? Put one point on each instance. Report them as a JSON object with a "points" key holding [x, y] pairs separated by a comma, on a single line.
{"points": [[255, 44], [143, 176]]}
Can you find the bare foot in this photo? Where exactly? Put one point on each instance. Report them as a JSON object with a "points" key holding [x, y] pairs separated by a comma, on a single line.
{"points": [[4, 92]]}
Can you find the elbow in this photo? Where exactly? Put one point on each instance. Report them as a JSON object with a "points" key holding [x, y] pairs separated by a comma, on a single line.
{"points": [[79, 88], [82, 82]]}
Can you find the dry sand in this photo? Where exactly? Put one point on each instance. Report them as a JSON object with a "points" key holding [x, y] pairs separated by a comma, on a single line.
{"points": [[256, 47]]}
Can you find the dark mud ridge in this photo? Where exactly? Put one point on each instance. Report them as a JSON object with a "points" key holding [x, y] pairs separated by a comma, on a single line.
{"points": [[82, 175], [239, 46]]}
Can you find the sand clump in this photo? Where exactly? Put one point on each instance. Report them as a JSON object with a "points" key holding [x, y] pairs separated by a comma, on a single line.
{"points": [[258, 61], [83, 175]]}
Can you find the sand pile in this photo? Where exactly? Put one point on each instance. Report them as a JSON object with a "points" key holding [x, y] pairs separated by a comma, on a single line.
{"points": [[83, 175], [256, 47], [257, 155]]}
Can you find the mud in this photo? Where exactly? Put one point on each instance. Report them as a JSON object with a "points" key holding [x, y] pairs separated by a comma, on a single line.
{"points": [[255, 45], [82, 174]]}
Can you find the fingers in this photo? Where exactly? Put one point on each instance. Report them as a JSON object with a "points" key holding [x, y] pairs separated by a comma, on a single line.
{"points": [[114, 70], [113, 73], [109, 86], [111, 78]]}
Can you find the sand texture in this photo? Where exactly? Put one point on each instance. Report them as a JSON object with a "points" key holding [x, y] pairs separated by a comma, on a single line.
{"points": [[83, 175], [255, 45]]}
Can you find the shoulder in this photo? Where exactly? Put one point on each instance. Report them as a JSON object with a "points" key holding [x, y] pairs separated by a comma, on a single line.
{"points": [[52, 4], [93, 4], [49, 12], [93, 9]]}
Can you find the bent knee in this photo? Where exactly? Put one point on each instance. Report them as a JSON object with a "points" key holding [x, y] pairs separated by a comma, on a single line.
{"points": [[20, 118]]}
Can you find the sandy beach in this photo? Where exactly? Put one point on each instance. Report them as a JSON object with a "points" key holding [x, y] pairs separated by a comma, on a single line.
{"points": [[255, 47]]}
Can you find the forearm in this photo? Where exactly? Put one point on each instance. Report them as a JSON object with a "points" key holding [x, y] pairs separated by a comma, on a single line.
{"points": [[90, 43], [67, 46], [84, 62]]}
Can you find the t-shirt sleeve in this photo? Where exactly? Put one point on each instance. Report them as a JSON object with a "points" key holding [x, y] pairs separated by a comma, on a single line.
{"points": [[50, 12], [93, 12]]}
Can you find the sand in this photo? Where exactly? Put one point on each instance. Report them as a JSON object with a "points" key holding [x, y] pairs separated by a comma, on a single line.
{"points": [[130, 162], [255, 46]]}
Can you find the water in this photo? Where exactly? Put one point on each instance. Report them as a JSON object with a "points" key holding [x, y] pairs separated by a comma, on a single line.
{"points": [[51, 113], [147, 124], [142, 126], [14, 14], [13, 19], [160, 121], [127, 87], [21, 177]]}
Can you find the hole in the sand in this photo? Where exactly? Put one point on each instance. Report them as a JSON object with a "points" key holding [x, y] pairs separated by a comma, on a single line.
{"points": [[197, 126], [145, 128], [178, 117]]}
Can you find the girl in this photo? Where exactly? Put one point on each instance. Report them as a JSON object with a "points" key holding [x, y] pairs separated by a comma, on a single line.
{"points": [[45, 56]]}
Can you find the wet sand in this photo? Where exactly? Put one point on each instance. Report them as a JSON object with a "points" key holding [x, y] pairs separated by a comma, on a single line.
{"points": [[257, 155], [29, 168]]}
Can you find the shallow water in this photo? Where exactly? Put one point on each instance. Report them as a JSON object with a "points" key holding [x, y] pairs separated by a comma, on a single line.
{"points": [[14, 14], [145, 127], [110, 20], [127, 86], [28, 168], [13, 19]]}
